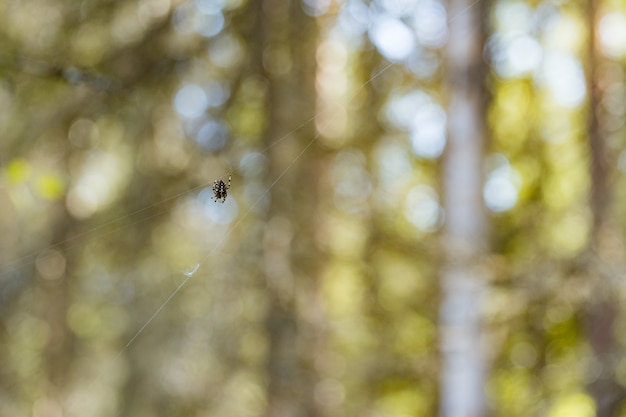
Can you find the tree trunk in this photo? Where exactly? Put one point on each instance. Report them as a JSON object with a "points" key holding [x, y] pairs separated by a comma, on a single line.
{"points": [[463, 355], [288, 44], [603, 308]]}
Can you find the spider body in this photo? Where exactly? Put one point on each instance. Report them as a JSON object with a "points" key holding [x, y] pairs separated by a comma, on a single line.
{"points": [[220, 190]]}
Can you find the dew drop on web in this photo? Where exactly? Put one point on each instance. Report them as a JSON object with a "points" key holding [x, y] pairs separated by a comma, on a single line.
{"points": [[192, 271]]}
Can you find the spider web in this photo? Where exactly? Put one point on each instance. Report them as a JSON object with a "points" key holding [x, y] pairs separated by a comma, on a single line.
{"points": [[160, 208], [189, 273]]}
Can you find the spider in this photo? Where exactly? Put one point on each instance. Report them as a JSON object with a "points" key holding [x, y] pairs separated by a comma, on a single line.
{"points": [[220, 190]]}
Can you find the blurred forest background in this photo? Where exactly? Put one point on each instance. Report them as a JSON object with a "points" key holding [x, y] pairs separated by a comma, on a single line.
{"points": [[426, 214]]}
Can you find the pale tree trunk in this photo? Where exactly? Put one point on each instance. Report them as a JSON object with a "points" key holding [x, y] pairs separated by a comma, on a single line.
{"points": [[604, 269], [288, 38], [463, 356]]}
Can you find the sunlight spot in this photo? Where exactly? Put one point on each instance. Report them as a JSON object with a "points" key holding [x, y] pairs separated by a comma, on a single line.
{"points": [[524, 54], [82, 201], [400, 111], [567, 234], [392, 37], [353, 20], [210, 6], [50, 186], [563, 75], [512, 16], [500, 193], [226, 51], [563, 32], [97, 182], [398, 8], [332, 55], [394, 165], [17, 171], [430, 23], [219, 213], [125, 29], [502, 186], [557, 129], [516, 56], [182, 17], [612, 33], [208, 24], [428, 133], [424, 63], [217, 93], [422, 208], [425, 120], [315, 8], [213, 135], [191, 101], [573, 405]]}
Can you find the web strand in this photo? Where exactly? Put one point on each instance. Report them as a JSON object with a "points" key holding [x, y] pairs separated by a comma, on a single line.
{"points": [[26, 259], [153, 316], [321, 112], [460, 12], [189, 274]]}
